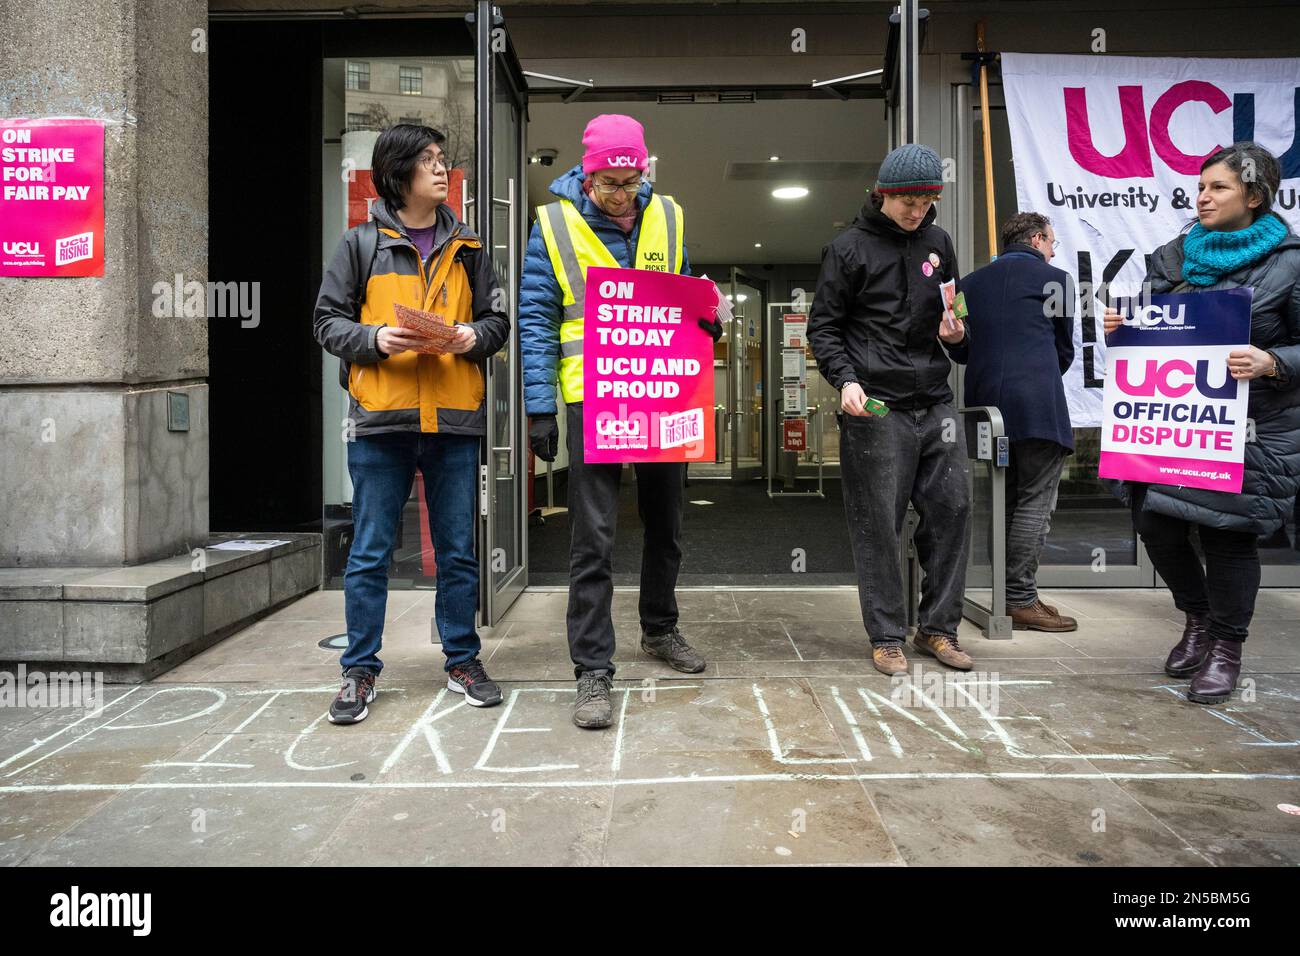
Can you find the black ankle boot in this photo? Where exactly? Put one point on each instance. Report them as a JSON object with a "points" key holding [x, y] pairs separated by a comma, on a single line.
{"points": [[1217, 678], [1190, 652]]}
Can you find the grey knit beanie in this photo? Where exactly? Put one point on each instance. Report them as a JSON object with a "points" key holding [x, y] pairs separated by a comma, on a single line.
{"points": [[911, 168]]}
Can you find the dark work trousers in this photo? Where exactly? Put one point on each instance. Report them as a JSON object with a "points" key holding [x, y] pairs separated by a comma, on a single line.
{"points": [[593, 520], [1033, 475], [1224, 589], [917, 455]]}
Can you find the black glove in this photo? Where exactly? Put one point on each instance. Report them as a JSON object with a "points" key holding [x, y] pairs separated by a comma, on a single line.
{"points": [[544, 436], [713, 327]]}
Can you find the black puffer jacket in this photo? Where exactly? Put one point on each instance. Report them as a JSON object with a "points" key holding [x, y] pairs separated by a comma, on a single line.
{"points": [[875, 320], [1272, 474]]}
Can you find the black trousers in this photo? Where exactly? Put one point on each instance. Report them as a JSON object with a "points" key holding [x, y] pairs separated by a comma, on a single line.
{"points": [[1224, 590], [918, 456], [593, 521]]}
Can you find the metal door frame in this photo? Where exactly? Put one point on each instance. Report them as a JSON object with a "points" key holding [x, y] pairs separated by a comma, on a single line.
{"points": [[757, 470], [496, 596]]}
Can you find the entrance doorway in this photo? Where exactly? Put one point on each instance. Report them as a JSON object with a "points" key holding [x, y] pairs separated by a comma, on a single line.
{"points": [[765, 184]]}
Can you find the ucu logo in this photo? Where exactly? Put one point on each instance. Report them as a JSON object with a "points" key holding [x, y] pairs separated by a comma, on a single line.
{"points": [[612, 427], [1141, 137], [22, 248], [615, 161], [1156, 377], [1155, 315]]}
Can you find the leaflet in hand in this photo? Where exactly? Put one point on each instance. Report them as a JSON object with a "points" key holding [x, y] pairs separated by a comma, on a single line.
{"points": [[430, 325], [954, 304]]}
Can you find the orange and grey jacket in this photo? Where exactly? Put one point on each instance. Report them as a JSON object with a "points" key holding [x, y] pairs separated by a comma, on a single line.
{"points": [[410, 391]]}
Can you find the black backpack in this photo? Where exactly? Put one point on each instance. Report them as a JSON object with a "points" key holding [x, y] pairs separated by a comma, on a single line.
{"points": [[367, 249]]}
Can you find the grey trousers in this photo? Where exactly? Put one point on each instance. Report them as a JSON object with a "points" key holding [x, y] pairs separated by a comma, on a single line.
{"points": [[917, 456], [1033, 476]]}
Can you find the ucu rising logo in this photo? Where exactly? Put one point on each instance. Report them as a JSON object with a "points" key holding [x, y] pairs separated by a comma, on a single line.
{"points": [[1141, 136], [22, 248], [616, 161], [1155, 315]]}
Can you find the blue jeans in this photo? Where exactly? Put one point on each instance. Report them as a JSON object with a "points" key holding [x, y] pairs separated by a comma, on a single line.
{"points": [[382, 469]]}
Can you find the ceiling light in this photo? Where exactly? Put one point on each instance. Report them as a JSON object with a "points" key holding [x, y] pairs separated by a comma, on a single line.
{"points": [[742, 297], [774, 158], [758, 245], [790, 192]]}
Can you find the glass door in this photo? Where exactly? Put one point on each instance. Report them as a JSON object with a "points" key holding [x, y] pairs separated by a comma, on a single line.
{"points": [[745, 385], [500, 100]]}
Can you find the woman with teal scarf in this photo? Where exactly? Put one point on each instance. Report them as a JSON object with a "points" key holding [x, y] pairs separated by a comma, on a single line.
{"points": [[1236, 242]]}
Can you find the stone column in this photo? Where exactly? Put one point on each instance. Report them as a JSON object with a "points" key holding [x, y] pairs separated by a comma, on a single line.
{"points": [[90, 474]]}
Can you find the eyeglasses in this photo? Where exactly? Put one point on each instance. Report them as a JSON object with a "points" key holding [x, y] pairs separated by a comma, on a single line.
{"points": [[1056, 243], [608, 189], [428, 161]]}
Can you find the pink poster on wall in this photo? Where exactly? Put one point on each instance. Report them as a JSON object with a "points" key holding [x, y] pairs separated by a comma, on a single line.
{"points": [[51, 197], [647, 367]]}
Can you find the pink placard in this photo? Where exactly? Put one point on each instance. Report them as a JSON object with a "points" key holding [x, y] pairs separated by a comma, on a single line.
{"points": [[51, 197], [1172, 414], [647, 367]]}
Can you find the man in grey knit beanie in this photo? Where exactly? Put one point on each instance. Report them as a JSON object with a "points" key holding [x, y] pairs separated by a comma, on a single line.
{"points": [[875, 329]]}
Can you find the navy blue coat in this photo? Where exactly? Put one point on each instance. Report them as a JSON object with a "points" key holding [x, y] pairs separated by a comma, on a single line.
{"points": [[1019, 342], [541, 301]]}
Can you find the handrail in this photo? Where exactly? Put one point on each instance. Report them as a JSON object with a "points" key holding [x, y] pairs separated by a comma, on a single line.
{"points": [[986, 440]]}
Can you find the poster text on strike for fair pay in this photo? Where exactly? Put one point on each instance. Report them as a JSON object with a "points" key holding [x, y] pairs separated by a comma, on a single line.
{"points": [[647, 367]]}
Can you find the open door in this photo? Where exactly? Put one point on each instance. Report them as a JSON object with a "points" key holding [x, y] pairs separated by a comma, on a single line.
{"points": [[745, 385], [499, 217]]}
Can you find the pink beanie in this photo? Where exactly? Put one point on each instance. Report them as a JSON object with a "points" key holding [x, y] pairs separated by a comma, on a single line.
{"points": [[614, 141]]}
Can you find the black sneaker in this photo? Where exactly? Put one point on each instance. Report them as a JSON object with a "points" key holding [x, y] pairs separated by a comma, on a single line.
{"points": [[673, 650], [471, 680], [592, 708], [350, 703]]}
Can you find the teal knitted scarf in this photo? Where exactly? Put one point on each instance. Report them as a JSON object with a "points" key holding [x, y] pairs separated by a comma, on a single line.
{"points": [[1209, 255]]}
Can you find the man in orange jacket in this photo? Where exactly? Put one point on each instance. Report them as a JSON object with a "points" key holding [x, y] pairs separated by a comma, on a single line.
{"points": [[412, 404]]}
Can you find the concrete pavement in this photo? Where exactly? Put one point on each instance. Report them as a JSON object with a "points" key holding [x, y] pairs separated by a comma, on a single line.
{"points": [[1069, 749]]}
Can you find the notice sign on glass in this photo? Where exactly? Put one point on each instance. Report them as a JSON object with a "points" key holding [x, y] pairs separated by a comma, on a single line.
{"points": [[1172, 414], [794, 327], [51, 197], [647, 367], [794, 434]]}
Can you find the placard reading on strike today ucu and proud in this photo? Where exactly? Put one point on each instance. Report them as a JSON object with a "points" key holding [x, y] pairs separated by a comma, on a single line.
{"points": [[647, 367], [1172, 414]]}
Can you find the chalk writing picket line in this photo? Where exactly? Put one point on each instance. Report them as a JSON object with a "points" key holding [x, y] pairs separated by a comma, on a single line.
{"points": [[894, 736]]}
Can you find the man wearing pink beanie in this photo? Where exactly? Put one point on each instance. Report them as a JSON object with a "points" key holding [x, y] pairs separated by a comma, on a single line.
{"points": [[606, 214]]}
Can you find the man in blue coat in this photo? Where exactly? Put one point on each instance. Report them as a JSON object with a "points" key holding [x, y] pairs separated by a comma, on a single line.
{"points": [[606, 214], [1019, 344]]}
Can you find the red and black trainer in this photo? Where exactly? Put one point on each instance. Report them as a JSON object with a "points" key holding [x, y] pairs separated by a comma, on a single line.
{"points": [[471, 680], [350, 705]]}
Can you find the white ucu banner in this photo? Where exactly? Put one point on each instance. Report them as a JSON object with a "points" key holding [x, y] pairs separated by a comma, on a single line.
{"points": [[1110, 148]]}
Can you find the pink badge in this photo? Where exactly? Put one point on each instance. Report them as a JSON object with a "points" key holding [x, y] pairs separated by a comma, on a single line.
{"points": [[927, 269]]}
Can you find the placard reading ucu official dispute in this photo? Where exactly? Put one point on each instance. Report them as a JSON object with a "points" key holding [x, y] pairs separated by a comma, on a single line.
{"points": [[1172, 414], [647, 367]]}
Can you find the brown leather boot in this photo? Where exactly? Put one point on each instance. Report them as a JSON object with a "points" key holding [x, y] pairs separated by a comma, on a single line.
{"points": [[1190, 652], [1217, 678], [889, 659], [1040, 617], [945, 648]]}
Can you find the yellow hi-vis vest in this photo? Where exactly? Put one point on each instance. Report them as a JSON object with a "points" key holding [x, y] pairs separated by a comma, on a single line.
{"points": [[574, 248]]}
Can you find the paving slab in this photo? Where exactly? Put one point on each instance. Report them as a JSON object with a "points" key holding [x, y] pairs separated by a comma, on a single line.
{"points": [[789, 749]]}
